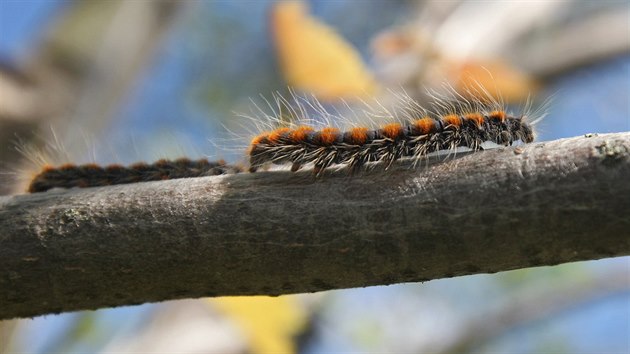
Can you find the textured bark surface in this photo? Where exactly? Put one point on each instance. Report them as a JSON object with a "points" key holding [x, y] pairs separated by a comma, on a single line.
{"points": [[280, 232]]}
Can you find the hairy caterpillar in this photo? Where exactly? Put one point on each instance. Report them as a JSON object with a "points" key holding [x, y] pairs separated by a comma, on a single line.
{"points": [[455, 122], [93, 175], [292, 137]]}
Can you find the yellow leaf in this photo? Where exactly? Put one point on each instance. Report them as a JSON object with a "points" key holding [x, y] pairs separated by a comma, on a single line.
{"points": [[497, 77], [314, 58], [270, 323]]}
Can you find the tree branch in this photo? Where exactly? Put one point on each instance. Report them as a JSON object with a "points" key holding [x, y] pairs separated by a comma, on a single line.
{"points": [[280, 232]]}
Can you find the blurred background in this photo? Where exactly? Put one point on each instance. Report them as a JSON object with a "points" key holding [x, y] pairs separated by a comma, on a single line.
{"points": [[124, 81]]}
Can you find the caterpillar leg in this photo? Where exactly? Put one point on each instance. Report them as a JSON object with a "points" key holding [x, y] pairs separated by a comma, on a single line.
{"points": [[317, 170]]}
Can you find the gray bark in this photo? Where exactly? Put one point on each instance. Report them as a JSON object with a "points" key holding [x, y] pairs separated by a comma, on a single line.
{"points": [[280, 232]]}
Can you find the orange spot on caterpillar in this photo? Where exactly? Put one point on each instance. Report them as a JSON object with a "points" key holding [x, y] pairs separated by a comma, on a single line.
{"points": [[358, 135], [185, 161], [452, 119], [275, 135], [161, 163], [139, 166], [392, 130], [114, 168], [499, 115], [91, 166], [424, 125], [327, 136], [67, 167], [475, 117], [259, 139], [299, 134]]}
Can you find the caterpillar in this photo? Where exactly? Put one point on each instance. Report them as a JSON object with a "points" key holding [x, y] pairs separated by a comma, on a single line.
{"points": [[295, 140], [456, 122], [93, 175]]}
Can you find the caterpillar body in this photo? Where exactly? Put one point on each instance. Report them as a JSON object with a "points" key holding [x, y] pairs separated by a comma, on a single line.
{"points": [[93, 175], [356, 147], [456, 120]]}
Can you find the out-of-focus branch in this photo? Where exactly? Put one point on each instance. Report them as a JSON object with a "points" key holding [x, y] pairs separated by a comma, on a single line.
{"points": [[533, 305], [280, 232]]}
